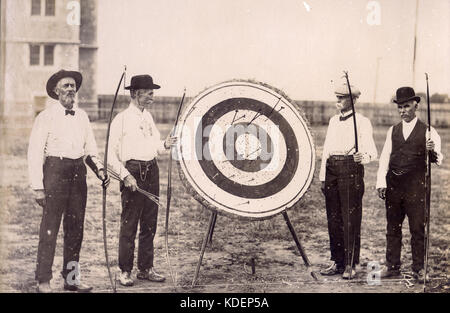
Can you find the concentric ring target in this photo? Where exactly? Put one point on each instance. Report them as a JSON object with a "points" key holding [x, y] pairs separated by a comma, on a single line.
{"points": [[245, 149]]}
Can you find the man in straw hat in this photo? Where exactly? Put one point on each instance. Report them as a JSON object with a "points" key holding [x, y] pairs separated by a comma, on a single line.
{"points": [[342, 177], [401, 181], [60, 140], [135, 143]]}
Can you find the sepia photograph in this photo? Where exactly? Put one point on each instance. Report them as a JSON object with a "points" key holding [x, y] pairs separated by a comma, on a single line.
{"points": [[251, 147]]}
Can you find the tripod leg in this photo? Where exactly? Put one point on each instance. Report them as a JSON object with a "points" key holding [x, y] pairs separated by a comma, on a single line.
{"points": [[212, 230], [299, 245], [205, 241]]}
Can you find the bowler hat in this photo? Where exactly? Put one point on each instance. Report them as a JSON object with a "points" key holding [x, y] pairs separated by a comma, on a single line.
{"points": [[405, 94], [142, 82], [342, 90], [55, 78]]}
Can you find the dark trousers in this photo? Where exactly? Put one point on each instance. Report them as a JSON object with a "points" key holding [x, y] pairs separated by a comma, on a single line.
{"points": [[344, 189], [138, 209], [405, 196], [65, 195]]}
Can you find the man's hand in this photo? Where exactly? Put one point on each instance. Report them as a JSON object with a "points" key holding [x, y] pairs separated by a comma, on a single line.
{"points": [[322, 187], [103, 177], [430, 145], [170, 141], [130, 182], [358, 157], [40, 197], [382, 193]]}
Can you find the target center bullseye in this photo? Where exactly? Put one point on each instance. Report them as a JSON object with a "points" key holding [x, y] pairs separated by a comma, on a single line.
{"points": [[248, 146]]}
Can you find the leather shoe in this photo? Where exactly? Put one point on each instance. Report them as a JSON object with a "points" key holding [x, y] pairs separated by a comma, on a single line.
{"points": [[77, 287], [420, 276], [150, 275], [387, 272], [349, 273], [334, 269], [44, 287], [125, 279]]}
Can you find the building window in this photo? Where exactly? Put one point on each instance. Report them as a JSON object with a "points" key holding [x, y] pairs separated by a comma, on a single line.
{"points": [[50, 7], [49, 55], [35, 54], [35, 7]]}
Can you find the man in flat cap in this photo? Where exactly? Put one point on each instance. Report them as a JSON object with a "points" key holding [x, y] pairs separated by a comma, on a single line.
{"points": [[342, 179], [135, 143], [60, 140], [401, 181]]}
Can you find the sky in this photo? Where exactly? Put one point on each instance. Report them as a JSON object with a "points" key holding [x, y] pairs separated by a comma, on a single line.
{"points": [[300, 47]]}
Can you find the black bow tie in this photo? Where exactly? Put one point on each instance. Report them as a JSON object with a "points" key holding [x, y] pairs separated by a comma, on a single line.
{"points": [[71, 112], [344, 118]]}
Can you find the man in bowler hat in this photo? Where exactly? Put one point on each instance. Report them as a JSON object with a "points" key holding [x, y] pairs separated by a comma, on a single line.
{"points": [[401, 181], [135, 143], [60, 141]]}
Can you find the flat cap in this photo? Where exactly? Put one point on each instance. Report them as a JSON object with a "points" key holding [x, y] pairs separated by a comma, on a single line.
{"points": [[342, 90]]}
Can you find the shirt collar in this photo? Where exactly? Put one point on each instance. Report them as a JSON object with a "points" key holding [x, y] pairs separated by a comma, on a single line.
{"points": [[135, 110], [58, 107], [412, 123], [346, 113]]}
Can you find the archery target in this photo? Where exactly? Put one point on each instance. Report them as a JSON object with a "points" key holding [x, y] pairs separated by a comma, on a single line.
{"points": [[244, 148]]}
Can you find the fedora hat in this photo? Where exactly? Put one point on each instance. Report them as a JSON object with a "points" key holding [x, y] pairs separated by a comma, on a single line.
{"points": [[405, 94], [142, 82], [342, 91], [55, 78]]}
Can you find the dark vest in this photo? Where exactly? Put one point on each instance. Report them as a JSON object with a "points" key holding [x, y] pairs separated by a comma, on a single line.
{"points": [[410, 154]]}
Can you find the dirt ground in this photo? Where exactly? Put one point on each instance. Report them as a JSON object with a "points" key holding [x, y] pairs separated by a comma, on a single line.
{"points": [[226, 264]]}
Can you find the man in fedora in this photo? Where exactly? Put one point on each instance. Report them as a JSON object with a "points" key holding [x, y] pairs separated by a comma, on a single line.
{"points": [[401, 181], [135, 143], [60, 140], [342, 177]]}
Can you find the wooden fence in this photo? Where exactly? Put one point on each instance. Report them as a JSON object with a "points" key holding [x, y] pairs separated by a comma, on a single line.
{"points": [[317, 112]]}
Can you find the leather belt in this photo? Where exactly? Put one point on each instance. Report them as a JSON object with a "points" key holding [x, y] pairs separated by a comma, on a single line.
{"points": [[142, 163], [143, 166], [341, 157], [79, 160]]}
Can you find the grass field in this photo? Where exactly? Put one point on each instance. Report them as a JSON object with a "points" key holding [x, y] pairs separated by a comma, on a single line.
{"points": [[279, 267]]}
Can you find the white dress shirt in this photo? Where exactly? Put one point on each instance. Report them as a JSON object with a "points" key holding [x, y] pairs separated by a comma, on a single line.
{"points": [[133, 136], [340, 139], [387, 149], [56, 134]]}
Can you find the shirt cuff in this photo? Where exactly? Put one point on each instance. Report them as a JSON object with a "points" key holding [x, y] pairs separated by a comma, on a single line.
{"points": [[366, 158], [124, 173], [381, 183], [37, 186], [161, 148], [440, 157]]}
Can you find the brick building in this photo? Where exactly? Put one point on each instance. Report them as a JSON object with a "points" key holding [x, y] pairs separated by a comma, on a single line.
{"points": [[38, 38]]}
